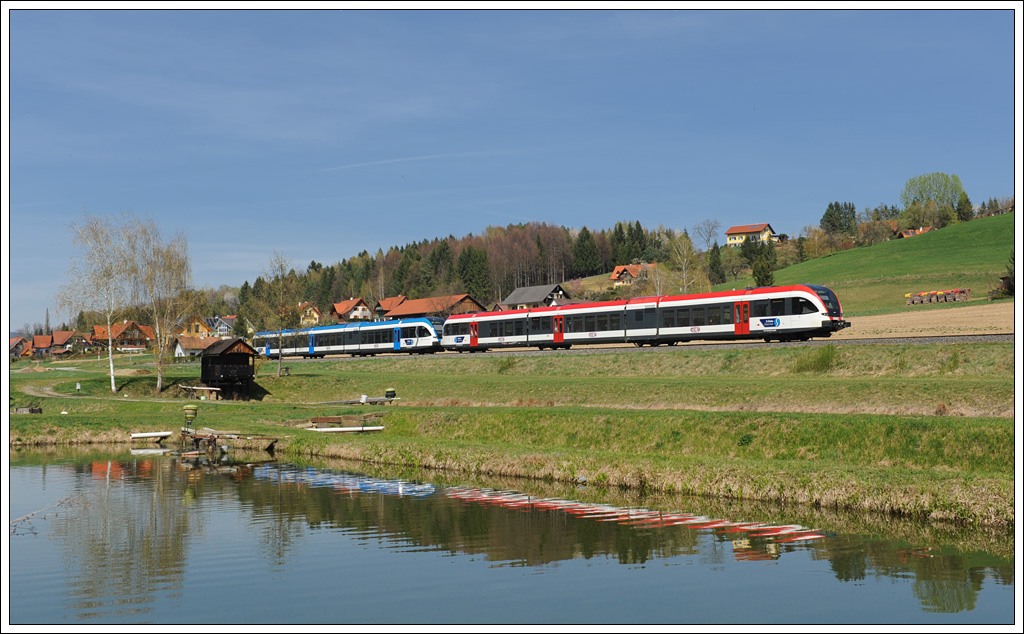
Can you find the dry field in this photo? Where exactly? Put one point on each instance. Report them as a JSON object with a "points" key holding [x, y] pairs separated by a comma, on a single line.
{"points": [[981, 319]]}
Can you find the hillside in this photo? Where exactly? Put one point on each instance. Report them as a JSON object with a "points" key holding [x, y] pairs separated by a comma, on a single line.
{"points": [[872, 280]]}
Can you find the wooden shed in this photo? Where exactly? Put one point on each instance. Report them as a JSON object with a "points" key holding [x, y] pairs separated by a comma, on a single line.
{"points": [[229, 365]]}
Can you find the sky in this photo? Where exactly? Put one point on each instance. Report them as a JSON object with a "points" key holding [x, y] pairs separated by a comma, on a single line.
{"points": [[322, 133]]}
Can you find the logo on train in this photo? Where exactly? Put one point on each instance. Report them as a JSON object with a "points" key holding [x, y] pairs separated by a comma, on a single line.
{"points": [[770, 323]]}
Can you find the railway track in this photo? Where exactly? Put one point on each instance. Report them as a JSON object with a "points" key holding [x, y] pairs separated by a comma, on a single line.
{"points": [[709, 345]]}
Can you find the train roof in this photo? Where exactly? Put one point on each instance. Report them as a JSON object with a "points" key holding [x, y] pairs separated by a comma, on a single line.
{"points": [[353, 325]]}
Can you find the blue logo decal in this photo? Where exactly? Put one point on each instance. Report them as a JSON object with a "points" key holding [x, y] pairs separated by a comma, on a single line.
{"points": [[770, 323], [459, 339]]}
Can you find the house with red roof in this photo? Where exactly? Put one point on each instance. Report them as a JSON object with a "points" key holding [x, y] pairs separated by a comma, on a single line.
{"points": [[352, 309], [41, 345], [386, 305], [128, 336], [17, 346], [62, 341], [444, 306], [626, 274], [736, 236]]}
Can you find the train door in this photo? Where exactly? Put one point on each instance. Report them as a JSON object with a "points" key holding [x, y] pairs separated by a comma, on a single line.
{"points": [[312, 344], [474, 334], [742, 318], [559, 324], [398, 339]]}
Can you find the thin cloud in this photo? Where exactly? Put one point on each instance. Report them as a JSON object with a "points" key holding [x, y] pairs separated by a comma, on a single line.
{"points": [[406, 159]]}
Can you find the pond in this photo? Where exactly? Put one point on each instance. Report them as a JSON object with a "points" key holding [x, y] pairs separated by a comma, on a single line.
{"points": [[108, 537]]}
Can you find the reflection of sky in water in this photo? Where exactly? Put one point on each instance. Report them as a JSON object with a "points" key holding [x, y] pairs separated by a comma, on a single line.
{"points": [[163, 544]]}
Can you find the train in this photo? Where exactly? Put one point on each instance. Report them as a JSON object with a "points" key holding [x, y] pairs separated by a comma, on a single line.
{"points": [[782, 313]]}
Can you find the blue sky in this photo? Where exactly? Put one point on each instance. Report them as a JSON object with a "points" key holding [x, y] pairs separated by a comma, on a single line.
{"points": [[323, 133]]}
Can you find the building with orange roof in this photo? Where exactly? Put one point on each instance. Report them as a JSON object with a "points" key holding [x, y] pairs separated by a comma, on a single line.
{"points": [[128, 336], [444, 306], [626, 274], [17, 345], [387, 305], [352, 309]]}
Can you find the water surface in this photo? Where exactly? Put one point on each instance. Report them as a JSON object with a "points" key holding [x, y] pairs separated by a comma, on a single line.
{"points": [[120, 538]]}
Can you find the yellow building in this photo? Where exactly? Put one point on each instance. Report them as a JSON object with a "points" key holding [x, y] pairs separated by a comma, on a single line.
{"points": [[739, 234]]}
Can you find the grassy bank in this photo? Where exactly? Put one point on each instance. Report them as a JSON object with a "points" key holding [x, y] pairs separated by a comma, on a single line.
{"points": [[921, 431]]}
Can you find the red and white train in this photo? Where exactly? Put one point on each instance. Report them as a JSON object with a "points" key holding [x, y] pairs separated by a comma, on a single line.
{"points": [[783, 313]]}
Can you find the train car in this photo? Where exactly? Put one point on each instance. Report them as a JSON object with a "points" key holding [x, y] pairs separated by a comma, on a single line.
{"points": [[564, 326], [481, 331], [415, 335], [783, 313]]}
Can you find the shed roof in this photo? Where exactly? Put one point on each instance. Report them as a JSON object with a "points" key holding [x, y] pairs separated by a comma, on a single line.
{"points": [[229, 346]]}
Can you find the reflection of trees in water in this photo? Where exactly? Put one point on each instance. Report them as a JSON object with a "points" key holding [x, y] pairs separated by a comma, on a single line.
{"points": [[127, 537], [545, 537], [132, 541], [943, 582]]}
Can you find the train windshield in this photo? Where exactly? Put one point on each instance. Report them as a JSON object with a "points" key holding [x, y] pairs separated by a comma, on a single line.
{"points": [[830, 300]]}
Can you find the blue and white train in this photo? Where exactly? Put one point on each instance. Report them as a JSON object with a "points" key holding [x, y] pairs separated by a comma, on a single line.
{"points": [[417, 335], [783, 313]]}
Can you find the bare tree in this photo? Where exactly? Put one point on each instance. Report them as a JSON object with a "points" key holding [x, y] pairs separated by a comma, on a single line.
{"points": [[281, 304], [163, 276], [100, 277], [707, 231]]}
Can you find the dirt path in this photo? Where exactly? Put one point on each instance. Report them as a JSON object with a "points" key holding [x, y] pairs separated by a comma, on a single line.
{"points": [[981, 319]]}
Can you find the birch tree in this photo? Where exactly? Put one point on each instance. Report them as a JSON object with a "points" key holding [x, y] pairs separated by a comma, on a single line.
{"points": [[685, 260], [100, 276], [163, 279]]}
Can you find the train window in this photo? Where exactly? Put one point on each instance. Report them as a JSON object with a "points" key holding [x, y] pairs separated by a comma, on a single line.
{"points": [[615, 323], [683, 317], [668, 318], [714, 315], [519, 327], [778, 307], [727, 313], [589, 323], [535, 324], [804, 307], [759, 308], [697, 316], [602, 322]]}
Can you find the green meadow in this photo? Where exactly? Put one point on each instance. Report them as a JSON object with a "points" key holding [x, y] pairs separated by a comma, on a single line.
{"points": [[873, 280]]}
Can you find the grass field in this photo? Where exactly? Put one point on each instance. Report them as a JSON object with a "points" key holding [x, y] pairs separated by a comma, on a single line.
{"points": [[873, 280], [924, 431]]}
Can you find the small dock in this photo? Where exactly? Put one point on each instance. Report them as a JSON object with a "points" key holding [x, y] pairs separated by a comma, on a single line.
{"points": [[158, 436], [213, 441], [353, 423]]}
